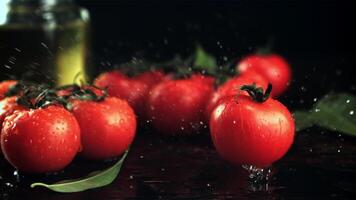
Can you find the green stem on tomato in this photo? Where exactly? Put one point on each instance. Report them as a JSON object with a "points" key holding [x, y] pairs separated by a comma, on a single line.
{"points": [[257, 93]]}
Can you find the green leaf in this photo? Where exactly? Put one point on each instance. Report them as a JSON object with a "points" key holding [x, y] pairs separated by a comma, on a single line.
{"points": [[335, 112], [204, 60], [93, 180], [303, 120]]}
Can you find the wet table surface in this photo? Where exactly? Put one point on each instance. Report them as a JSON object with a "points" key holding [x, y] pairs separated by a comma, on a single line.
{"points": [[320, 165]]}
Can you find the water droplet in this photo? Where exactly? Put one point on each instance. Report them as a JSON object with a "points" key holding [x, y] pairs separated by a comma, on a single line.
{"points": [[141, 156], [303, 89], [351, 112], [348, 101], [315, 99], [182, 128], [7, 184], [131, 177], [165, 41], [317, 110], [208, 184], [259, 177], [234, 122], [7, 66]]}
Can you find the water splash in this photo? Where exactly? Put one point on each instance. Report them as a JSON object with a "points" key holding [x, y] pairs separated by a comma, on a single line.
{"points": [[259, 178]]}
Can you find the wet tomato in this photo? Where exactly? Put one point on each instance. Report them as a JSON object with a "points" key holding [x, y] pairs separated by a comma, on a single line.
{"points": [[249, 131], [135, 89], [177, 106], [231, 87], [273, 67], [107, 127], [40, 140], [4, 87], [69, 90], [8, 106]]}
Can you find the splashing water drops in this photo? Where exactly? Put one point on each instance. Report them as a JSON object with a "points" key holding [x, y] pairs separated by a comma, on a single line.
{"points": [[258, 177]]}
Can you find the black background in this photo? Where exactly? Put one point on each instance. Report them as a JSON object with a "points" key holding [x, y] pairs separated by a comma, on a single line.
{"points": [[316, 37]]}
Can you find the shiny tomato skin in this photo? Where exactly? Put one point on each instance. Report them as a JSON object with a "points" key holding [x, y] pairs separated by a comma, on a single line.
{"points": [[40, 140], [8, 106], [4, 87], [134, 90], [247, 132], [177, 106], [107, 127], [68, 91], [231, 88], [272, 66], [152, 78]]}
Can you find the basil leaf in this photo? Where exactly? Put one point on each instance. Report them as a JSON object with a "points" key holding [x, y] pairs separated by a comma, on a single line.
{"points": [[93, 180], [335, 112], [204, 60]]}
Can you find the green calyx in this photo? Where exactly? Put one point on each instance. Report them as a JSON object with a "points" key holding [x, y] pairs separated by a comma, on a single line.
{"points": [[257, 93], [33, 96]]}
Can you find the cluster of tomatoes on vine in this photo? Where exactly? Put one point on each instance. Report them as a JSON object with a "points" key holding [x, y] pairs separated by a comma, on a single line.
{"points": [[247, 125]]}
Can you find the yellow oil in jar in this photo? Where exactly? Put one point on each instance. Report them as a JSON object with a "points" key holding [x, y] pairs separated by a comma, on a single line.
{"points": [[52, 53]]}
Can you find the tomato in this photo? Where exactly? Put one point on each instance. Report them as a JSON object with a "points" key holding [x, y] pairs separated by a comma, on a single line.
{"points": [[107, 127], [40, 140], [7, 107], [135, 90], [4, 87], [248, 132], [273, 67], [177, 106], [232, 86], [68, 90], [151, 78]]}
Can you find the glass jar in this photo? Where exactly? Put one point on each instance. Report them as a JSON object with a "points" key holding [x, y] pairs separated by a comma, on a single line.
{"points": [[44, 41]]}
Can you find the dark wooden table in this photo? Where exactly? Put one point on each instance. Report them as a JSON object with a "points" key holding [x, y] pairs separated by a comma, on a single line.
{"points": [[321, 165]]}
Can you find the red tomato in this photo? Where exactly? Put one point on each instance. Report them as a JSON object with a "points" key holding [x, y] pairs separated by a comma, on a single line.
{"points": [[177, 106], [134, 90], [69, 90], [273, 67], [40, 140], [152, 78], [248, 132], [107, 127], [231, 87], [7, 107], [4, 87]]}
